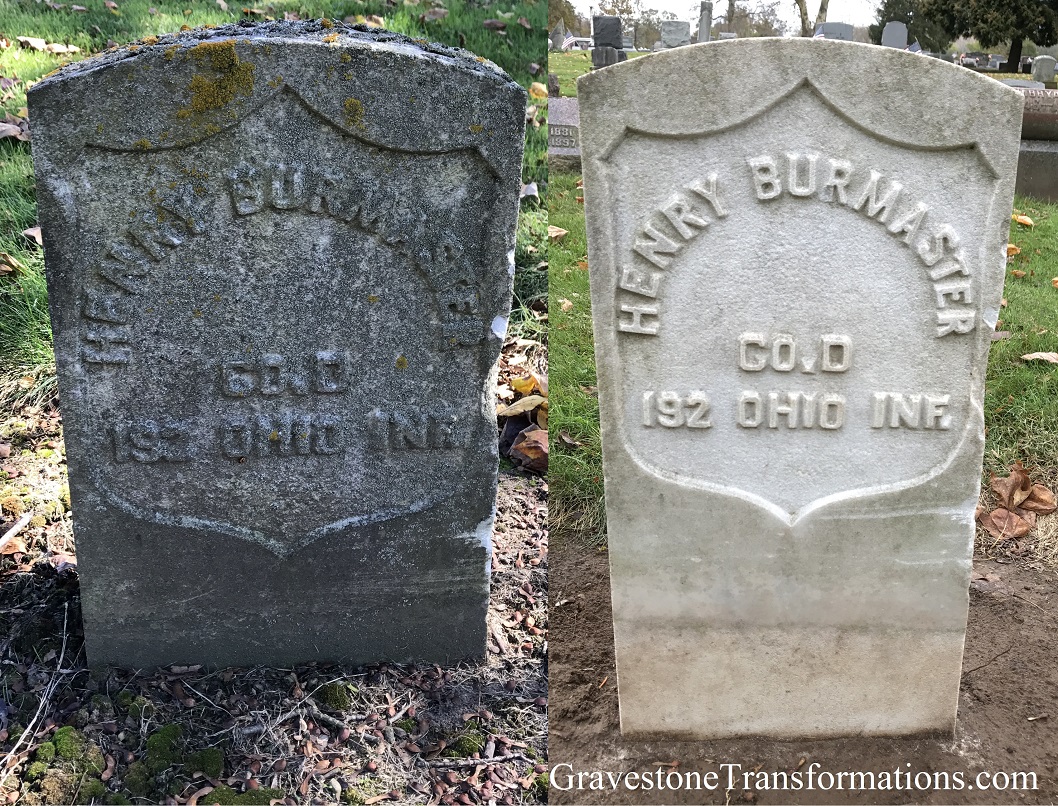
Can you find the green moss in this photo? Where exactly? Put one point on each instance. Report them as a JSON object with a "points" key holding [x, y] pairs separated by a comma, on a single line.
{"points": [[102, 706], [140, 706], [468, 743], [335, 696], [407, 725], [124, 699], [236, 78], [46, 752], [69, 743], [540, 787], [36, 770], [115, 799], [353, 796], [225, 795], [210, 762], [162, 752], [354, 113], [91, 789], [58, 787], [137, 779], [94, 762], [13, 505]]}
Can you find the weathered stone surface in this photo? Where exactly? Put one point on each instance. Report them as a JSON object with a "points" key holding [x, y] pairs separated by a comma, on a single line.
{"points": [[279, 264], [1043, 68], [894, 35], [836, 30], [705, 21], [1038, 170], [606, 32], [793, 296], [563, 127], [603, 57], [1040, 114], [675, 33]]}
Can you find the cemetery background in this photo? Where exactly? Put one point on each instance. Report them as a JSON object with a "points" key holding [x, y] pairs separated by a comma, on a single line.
{"points": [[319, 732], [1010, 662]]}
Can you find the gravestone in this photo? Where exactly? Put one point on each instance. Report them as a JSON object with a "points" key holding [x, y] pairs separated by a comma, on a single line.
{"points": [[894, 35], [278, 277], [675, 33], [603, 57], [705, 21], [1043, 68], [553, 88], [835, 30], [792, 311], [563, 127], [606, 32], [1022, 84]]}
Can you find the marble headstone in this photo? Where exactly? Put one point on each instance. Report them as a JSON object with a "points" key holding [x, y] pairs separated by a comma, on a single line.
{"points": [[563, 127], [606, 32], [894, 35], [793, 293], [277, 261], [705, 21], [1043, 68]]}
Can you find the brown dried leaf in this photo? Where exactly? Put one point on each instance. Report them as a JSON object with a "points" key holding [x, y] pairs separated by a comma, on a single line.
{"points": [[567, 441], [8, 265], [223, 5], [522, 21], [555, 234], [1024, 220], [108, 773], [1054, 282], [1013, 250], [435, 14], [1003, 524], [375, 21], [523, 385], [565, 304], [34, 234], [495, 25], [1018, 273], [36, 43], [1040, 500], [530, 450], [538, 90], [10, 130], [521, 406], [16, 545], [1049, 357], [1012, 489], [110, 4]]}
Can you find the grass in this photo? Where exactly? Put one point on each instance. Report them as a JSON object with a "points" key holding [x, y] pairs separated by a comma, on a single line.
{"points": [[25, 336], [570, 65], [1021, 397], [574, 472]]}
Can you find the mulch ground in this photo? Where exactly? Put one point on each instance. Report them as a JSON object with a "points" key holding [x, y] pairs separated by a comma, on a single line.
{"points": [[467, 734], [1008, 703]]}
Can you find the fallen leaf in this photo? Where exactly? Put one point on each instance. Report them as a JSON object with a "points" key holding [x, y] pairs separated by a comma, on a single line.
{"points": [[33, 233], [1003, 524], [375, 21], [1012, 489], [54, 47], [5, 450], [110, 4], [534, 68], [16, 545], [521, 406], [556, 234], [10, 130], [1013, 250], [567, 441], [529, 450], [529, 190], [523, 385], [522, 21], [435, 14], [1000, 335], [1054, 282], [223, 5], [108, 773], [565, 304], [1003, 302], [32, 42], [1018, 273], [1024, 220], [1050, 357], [538, 90], [8, 265], [193, 800], [78, 8], [1041, 500], [495, 25]]}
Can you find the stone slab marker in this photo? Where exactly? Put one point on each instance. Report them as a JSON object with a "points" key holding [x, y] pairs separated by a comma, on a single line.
{"points": [[793, 298], [278, 261]]}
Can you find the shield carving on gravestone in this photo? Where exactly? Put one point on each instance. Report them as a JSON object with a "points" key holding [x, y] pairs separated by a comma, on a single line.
{"points": [[834, 364], [284, 342]]}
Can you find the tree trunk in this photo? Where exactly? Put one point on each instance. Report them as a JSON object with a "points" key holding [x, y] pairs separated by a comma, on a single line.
{"points": [[821, 17], [731, 15], [802, 10], [1014, 59]]}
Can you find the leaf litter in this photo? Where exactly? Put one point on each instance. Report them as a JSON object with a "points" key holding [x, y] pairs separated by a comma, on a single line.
{"points": [[468, 733]]}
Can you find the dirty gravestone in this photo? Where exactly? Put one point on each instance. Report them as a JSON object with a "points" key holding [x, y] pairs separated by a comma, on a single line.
{"points": [[278, 261], [793, 301], [675, 33]]}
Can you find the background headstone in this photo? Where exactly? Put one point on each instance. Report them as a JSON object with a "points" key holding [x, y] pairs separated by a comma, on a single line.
{"points": [[277, 301], [675, 33], [553, 88], [1021, 83], [607, 32], [836, 30], [563, 133], [792, 316], [894, 35], [603, 57], [1043, 68], [557, 37], [705, 21]]}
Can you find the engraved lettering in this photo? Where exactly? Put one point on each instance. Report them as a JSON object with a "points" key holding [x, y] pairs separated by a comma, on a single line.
{"points": [[106, 345], [417, 428], [879, 208], [765, 177], [708, 189], [637, 325], [675, 410], [750, 413], [655, 248], [288, 186], [836, 185], [795, 409], [955, 321], [837, 353], [914, 411], [282, 434], [644, 283], [783, 358], [909, 223], [745, 361], [801, 183], [683, 217], [783, 353], [247, 189], [150, 441], [955, 290]]}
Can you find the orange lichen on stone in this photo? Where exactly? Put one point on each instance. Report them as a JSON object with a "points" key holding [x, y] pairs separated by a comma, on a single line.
{"points": [[476, 128], [143, 145], [209, 93], [150, 40], [354, 113], [346, 57], [326, 23], [171, 52], [330, 38]]}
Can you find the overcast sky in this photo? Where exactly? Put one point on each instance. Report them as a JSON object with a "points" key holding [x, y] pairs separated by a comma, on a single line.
{"points": [[856, 12]]}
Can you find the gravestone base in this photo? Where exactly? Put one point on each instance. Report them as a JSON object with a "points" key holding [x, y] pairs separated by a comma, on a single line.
{"points": [[1038, 170]]}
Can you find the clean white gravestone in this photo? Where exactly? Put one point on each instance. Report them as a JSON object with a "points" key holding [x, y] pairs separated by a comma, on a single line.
{"points": [[795, 271]]}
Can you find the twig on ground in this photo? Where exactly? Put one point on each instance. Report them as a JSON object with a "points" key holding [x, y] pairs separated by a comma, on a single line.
{"points": [[474, 762], [14, 530]]}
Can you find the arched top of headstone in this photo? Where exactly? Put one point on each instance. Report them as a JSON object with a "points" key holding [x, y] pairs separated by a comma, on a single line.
{"points": [[178, 89]]}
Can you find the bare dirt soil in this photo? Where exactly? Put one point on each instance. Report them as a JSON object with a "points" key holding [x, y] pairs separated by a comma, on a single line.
{"points": [[1008, 704], [320, 733]]}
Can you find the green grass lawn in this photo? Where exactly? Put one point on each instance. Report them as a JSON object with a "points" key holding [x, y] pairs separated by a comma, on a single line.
{"points": [[1021, 397], [25, 338], [568, 66]]}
